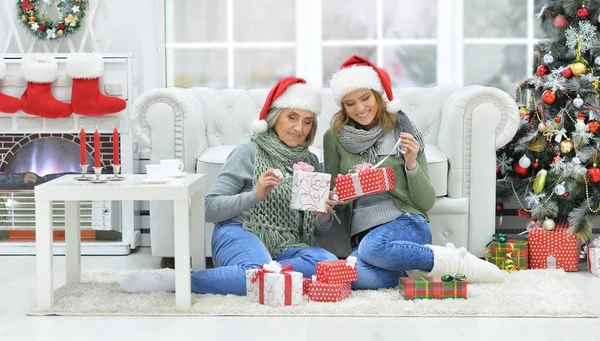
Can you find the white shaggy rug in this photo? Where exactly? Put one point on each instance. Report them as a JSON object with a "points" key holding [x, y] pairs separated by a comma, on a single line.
{"points": [[530, 293]]}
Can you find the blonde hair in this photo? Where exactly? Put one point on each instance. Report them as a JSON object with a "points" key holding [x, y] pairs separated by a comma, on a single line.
{"points": [[273, 115], [384, 118]]}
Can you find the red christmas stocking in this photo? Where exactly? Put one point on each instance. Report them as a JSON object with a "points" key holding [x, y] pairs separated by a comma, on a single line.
{"points": [[86, 98], [8, 104], [40, 71]]}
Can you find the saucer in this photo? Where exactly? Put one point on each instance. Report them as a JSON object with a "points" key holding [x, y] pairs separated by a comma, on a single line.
{"points": [[156, 181], [177, 175]]}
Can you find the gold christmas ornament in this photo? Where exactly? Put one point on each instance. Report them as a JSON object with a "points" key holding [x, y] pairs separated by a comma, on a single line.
{"points": [[566, 146], [60, 33], [540, 181], [523, 111], [578, 68], [542, 127], [549, 224]]}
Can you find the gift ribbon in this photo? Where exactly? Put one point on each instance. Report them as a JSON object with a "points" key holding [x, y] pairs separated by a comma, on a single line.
{"points": [[356, 184], [303, 166]]}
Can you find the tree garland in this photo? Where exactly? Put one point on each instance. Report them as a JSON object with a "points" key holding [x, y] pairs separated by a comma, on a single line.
{"points": [[70, 13]]}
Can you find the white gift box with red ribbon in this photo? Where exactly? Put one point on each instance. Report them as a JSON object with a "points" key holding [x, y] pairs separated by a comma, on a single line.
{"points": [[274, 285], [310, 190], [365, 181]]}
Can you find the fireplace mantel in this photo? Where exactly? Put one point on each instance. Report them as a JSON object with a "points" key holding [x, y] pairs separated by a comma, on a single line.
{"points": [[119, 79]]}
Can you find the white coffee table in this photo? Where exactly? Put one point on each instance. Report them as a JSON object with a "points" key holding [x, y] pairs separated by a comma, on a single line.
{"points": [[188, 223]]}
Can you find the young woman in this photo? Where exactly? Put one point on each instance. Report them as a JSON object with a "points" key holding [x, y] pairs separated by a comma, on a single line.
{"points": [[389, 231], [250, 200]]}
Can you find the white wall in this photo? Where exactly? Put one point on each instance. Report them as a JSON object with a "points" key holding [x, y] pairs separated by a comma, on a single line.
{"points": [[118, 26]]}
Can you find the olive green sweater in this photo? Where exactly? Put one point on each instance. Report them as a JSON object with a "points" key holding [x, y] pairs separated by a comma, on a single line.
{"points": [[413, 194]]}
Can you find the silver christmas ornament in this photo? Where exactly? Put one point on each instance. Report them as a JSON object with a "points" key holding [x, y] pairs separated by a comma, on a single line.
{"points": [[548, 58], [578, 102], [576, 161], [597, 60], [524, 161], [549, 224], [560, 189]]}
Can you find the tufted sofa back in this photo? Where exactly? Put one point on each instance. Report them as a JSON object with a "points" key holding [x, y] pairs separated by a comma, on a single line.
{"points": [[229, 113]]}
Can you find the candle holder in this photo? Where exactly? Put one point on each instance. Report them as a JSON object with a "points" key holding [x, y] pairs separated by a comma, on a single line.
{"points": [[97, 173], [116, 172], [84, 176]]}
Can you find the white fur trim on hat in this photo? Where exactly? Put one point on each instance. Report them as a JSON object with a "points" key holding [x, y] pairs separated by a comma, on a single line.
{"points": [[346, 80], [85, 65], [39, 68], [300, 96], [393, 106], [259, 126], [2, 68]]}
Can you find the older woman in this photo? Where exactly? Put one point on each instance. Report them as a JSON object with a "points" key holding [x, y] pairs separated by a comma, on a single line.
{"points": [[250, 200], [389, 231]]}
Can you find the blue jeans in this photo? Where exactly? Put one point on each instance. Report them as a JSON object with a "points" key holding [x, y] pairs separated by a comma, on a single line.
{"points": [[236, 250], [385, 253]]}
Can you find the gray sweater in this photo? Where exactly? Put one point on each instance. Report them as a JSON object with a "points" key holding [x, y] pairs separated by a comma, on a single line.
{"points": [[232, 194]]}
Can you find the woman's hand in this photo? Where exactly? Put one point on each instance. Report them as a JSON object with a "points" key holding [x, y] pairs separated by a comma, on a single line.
{"points": [[329, 203], [265, 184], [411, 146]]}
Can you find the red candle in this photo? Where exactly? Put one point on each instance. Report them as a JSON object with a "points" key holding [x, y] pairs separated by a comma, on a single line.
{"points": [[96, 148], [115, 147], [82, 149]]}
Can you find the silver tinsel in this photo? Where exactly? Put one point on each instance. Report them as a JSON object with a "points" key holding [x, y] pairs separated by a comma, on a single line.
{"points": [[533, 199], [555, 81], [568, 170], [586, 33], [504, 162], [536, 81]]}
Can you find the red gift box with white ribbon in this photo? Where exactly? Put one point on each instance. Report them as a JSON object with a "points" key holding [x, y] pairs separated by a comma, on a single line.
{"points": [[328, 292], [364, 182], [337, 271], [559, 243]]}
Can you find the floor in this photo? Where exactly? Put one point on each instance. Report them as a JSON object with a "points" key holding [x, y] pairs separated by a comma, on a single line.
{"points": [[17, 285]]}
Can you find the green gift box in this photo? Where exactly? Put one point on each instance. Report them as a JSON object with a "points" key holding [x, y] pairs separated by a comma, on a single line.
{"points": [[431, 287], [508, 252]]}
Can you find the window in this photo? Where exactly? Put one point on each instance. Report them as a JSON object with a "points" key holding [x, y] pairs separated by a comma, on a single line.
{"points": [[249, 44]]}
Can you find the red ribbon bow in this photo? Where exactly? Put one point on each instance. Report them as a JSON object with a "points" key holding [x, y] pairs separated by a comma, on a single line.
{"points": [[27, 6], [259, 274]]}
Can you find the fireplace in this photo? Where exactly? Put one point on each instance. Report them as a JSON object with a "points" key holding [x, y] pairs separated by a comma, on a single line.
{"points": [[30, 159]]}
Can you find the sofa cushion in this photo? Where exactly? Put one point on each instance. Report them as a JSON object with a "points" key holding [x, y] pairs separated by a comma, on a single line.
{"points": [[437, 163]]}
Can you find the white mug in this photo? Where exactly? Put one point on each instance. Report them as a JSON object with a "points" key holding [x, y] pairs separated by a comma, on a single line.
{"points": [[172, 167], [156, 172]]}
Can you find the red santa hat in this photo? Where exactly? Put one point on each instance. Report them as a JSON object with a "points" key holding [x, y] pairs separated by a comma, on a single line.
{"points": [[292, 93], [359, 73]]}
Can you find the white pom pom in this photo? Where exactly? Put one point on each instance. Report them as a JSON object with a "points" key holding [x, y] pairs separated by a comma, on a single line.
{"points": [[462, 252], [259, 126], [393, 106]]}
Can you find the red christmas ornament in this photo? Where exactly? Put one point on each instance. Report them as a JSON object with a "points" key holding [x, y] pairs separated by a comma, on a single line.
{"points": [[560, 21], [582, 12], [566, 194], [499, 208], [557, 119], [542, 70], [61, 26], [567, 73], [520, 171], [42, 27], [497, 169], [549, 97], [593, 126], [594, 174], [536, 165]]}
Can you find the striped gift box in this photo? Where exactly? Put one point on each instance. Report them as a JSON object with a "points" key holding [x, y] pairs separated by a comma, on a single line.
{"points": [[431, 287], [504, 248]]}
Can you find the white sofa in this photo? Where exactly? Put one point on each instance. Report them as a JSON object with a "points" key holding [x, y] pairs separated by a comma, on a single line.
{"points": [[462, 128]]}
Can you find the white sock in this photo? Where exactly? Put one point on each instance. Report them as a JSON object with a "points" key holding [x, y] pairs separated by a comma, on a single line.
{"points": [[451, 261], [148, 282]]}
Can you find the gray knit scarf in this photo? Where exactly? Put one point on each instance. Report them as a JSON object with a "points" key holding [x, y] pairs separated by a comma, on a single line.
{"points": [[366, 143], [271, 219]]}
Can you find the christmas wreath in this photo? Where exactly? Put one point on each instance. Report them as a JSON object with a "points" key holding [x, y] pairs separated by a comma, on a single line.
{"points": [[70, 13]]}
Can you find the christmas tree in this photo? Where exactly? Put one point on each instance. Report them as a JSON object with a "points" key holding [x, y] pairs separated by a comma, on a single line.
{"points": [[552, 166]]}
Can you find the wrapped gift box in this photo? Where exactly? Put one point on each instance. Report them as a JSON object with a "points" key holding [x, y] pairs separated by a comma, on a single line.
{"points": [[276, 288], [431, 287], [559, 243], [593, 257], [305, 283], [337, 271], [310, 190], [508, 252], [365, 182], [328, 292]]}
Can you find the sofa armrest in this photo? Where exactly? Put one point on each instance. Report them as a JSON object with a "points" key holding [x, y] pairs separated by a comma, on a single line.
{"points": [[171, 123], [476, 121]]}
